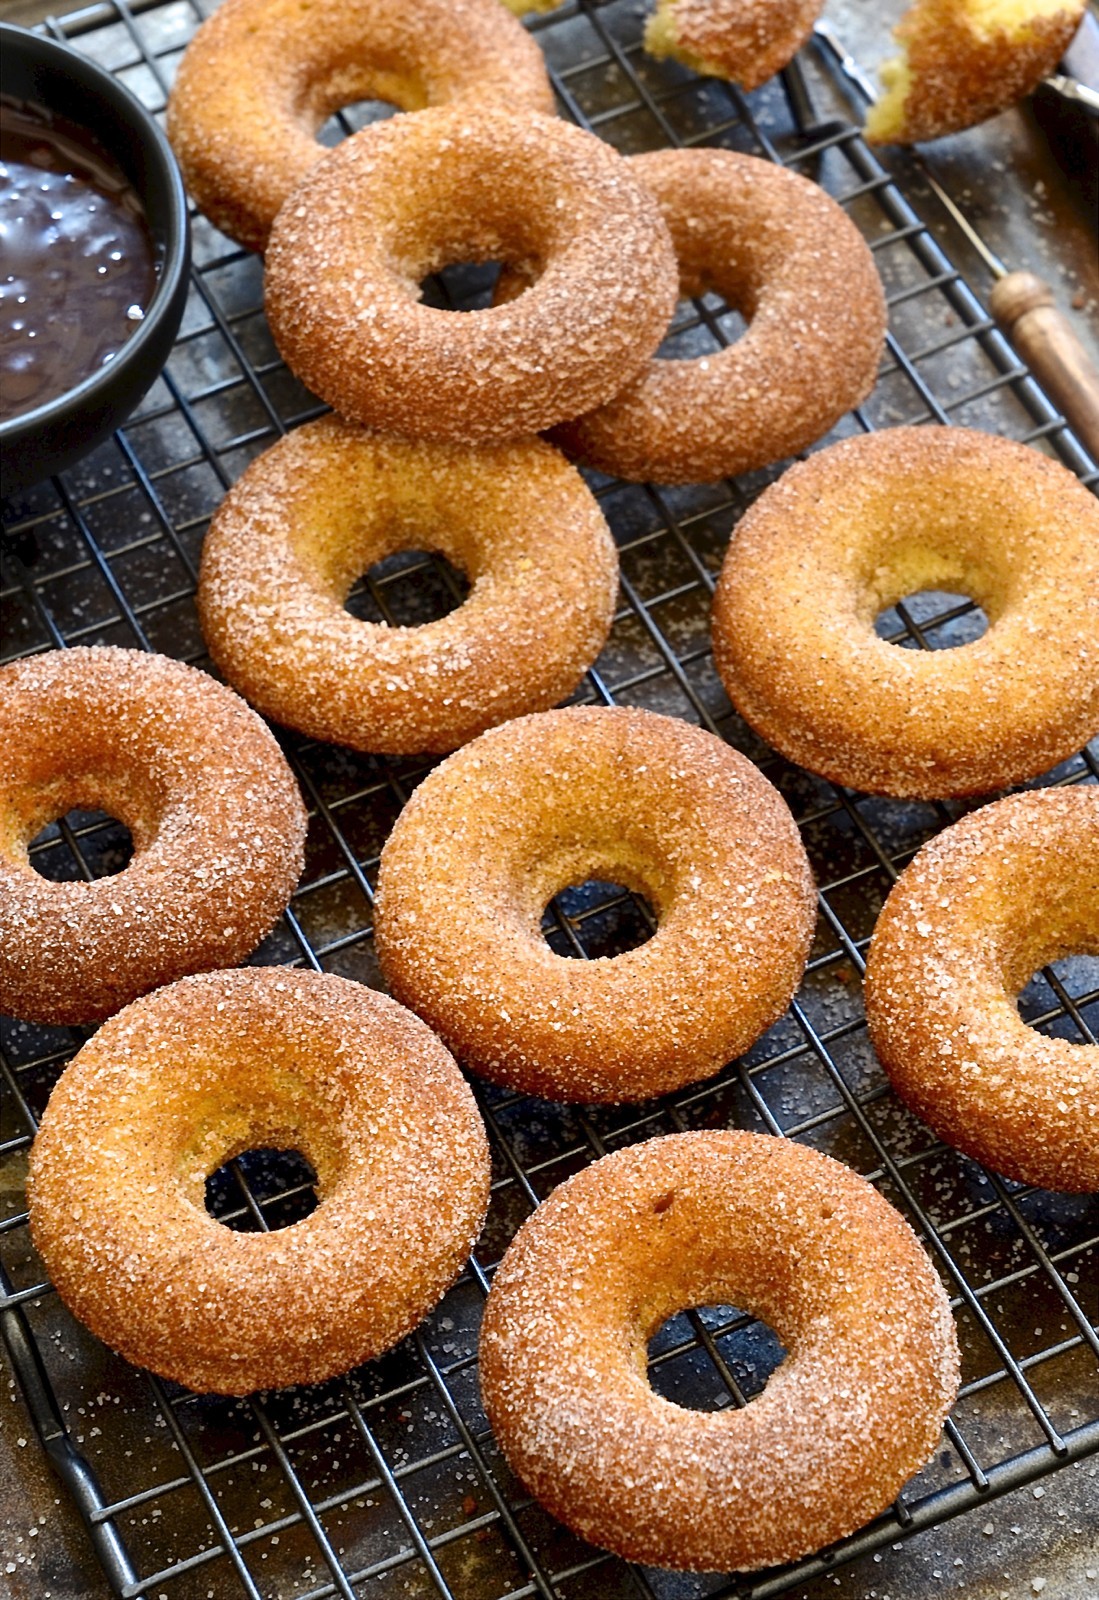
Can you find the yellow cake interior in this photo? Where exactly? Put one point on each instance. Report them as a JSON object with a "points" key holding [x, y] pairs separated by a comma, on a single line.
{"points": [[952, 20]]}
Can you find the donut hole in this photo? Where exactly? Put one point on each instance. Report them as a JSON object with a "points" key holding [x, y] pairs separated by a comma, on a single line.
{"points": [[708, 1358], [408, 589], [1061, 999], [356, 114], [91, 840], [462, 244], [703, 326], [262, 1190], [462, 286], [598, 918], [934, 619], [715, 307]]}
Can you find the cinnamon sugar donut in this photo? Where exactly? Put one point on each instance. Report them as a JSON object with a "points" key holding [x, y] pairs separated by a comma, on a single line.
{"points": [[783, 252], [746, 41], [866, 522], [217, 823], [554, 799], [327, 502], [183, 1080], [260, 77], [982, 907], [402, 199], [700, 1219], [962, 61]]}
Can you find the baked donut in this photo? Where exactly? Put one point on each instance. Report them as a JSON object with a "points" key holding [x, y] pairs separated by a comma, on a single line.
{"points": [[982, 907], [260, 77], [962, 61], [698, 1219], [783, 252], [554, 799], [328, 501], [746, 41], [217, 823], [183, 1080], [866, 522], [402, 199]]}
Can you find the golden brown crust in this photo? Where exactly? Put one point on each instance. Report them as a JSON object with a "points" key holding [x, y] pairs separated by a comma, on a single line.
{"points": [[261, 76], [701, 1219], [404, 198], [963, 63], [217, 822], [321, 507], [181, 1081], [783, 252], [985, 904], [619, 794], [746, 41], [869, 521]]}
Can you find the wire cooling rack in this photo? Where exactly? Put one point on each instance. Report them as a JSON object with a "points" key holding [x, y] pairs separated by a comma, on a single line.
{"points": [[388, 1482]]}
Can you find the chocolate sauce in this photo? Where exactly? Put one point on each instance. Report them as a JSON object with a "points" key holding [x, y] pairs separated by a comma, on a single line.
{"points": [[77, 262]]}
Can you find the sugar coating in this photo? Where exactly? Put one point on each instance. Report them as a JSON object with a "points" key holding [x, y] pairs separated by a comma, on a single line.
{"points": [[695, 1219], [403, 198], [982, 906], [965, 60], [183, 1080], [327, 502], [783, 252], [588, 792], [260, 77], [746, 41], [868, 521], [217, 822]]}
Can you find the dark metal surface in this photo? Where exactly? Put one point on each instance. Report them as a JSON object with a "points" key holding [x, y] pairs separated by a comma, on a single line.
{"points": [[388, 1482]]}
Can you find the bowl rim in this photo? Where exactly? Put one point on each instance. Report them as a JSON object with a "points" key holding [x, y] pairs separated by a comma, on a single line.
{"points": [[175, 263]]}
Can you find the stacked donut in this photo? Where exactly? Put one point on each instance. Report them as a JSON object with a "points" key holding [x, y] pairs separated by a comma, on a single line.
{"points": [[433, 446], [594, 250], [350, 235]]}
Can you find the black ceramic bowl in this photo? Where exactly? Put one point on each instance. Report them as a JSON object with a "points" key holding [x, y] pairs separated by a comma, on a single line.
{"points": [[40, 442]]}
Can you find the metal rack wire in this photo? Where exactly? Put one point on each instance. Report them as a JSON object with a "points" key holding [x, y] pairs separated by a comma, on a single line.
{"points": [[388, 1481]]}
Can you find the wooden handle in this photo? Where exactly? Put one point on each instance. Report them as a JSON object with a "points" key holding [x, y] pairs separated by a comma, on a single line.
{"points": [[1023, 306]]}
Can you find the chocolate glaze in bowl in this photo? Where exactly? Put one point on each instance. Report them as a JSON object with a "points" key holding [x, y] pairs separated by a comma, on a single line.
{"points": [[77, 260], [59, 427]]}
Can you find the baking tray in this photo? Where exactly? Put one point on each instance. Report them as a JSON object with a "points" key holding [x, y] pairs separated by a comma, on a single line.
{"points": [[388, 1481]]}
